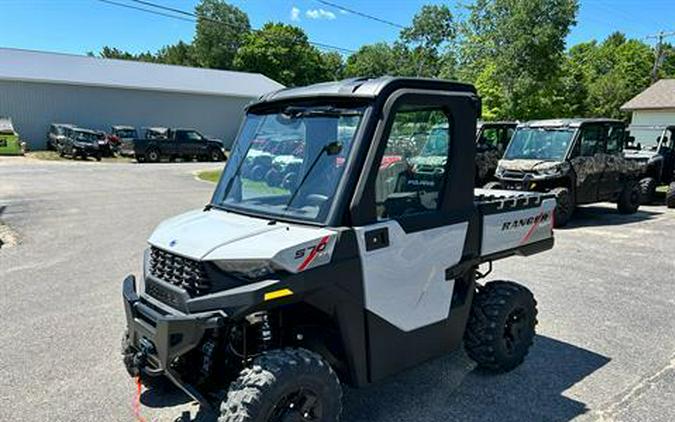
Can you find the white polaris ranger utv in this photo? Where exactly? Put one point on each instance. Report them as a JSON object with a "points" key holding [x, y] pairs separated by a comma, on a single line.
{"points": [[354, 272]]}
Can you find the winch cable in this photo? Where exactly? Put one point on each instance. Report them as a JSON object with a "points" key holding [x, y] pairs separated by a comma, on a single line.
{"points": [[136, 404]]}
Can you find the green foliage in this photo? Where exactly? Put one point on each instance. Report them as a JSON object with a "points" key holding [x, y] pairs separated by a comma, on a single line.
{"points": [[371, 61], [179, 54], [283, 53], [221, 30], [524, 41]]}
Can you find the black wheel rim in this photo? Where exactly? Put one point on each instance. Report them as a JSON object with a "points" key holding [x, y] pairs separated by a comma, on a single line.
{"points": [[302, 405], [515, 329]]}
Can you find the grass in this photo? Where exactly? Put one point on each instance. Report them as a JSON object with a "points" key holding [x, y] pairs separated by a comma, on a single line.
{"points": [[54, 156], [260, 188], [210, 175]]}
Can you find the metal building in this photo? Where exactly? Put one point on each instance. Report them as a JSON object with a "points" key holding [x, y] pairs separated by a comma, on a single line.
{"points": [[39, 88]]}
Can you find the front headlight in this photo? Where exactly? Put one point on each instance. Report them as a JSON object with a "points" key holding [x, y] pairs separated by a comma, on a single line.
{"points": [[250, 269], [549, 171], [500, 171]]}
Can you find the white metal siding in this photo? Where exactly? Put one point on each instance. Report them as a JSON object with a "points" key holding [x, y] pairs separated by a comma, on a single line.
{"points": [[33, 106], [650, 118]]}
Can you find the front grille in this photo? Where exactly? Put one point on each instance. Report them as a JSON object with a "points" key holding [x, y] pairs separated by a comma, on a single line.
{"points": [[182, 272], [513, 174]]}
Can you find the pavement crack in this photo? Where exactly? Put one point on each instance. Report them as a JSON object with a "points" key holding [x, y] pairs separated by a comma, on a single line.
{"points": [[627, 396]]}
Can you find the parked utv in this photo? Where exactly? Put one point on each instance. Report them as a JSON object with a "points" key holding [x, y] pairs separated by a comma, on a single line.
{"points": [[10, 144], [178, 143], [119, 134], [80, 143], [580, 161], [491, 141], [279, 296], [658, 159], [57, 133]]}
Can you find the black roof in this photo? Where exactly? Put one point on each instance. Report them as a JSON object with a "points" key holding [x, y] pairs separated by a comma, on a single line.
{"points": [[363, 88]]}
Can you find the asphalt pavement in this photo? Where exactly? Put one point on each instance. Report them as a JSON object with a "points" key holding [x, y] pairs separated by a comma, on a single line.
{"points": [[605, 349]]}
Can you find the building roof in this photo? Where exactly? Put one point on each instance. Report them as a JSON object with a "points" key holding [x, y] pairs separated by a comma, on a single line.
{"points": [[37, 66], [658, 96]]}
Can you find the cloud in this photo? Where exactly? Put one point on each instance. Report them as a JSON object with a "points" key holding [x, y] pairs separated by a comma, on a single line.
{"points": [[319, 14], [295, 14]]}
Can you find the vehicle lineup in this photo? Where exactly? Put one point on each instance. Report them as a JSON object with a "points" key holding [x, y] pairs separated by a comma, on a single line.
{"points": [[580, 161], [659, 161], [279, 292]]}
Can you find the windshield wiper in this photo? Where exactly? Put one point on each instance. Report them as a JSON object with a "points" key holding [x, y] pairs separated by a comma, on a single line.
{"points": [[331, 148]]}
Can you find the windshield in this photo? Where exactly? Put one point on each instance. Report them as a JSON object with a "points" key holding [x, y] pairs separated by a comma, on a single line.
{"points": [[288, 163], [126, 133], [85, 136], [539, 144]]}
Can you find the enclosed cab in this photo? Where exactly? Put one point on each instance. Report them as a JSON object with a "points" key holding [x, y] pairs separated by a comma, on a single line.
{"points": [[120, 134], [56, 134], [654, 148], [365, 265], [580, 161], [81, 143], [491, 141]]}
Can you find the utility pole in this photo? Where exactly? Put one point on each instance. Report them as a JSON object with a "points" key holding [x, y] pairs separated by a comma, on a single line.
{"points": [[659, 53]]}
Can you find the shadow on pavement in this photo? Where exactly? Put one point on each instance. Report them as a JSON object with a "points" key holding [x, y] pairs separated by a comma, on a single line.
{"points": [[589, 216], [450, 389]]}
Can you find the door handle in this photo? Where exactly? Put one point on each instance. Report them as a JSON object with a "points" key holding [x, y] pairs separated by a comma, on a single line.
{"points": [[377, 239]]}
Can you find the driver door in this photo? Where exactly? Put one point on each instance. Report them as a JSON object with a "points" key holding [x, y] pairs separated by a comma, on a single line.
{"points": [[588, 162], [415, 235]]}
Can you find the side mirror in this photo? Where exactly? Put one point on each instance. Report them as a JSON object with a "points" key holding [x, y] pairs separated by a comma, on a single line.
{"points": [[333, 148]]}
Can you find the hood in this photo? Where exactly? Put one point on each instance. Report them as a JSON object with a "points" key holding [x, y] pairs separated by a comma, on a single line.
{"points": [[218, 235], [196, 233], [429, 160], [527, 165]]}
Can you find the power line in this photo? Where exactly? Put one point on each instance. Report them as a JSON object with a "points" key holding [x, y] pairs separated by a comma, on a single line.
{"points": [[363, 15], [193, 17], [154, 12]]}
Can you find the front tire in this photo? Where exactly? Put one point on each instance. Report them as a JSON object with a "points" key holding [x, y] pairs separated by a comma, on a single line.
{"points": [[647, 190], [284, 385], [670, 196], [629, 200], [564, 206], [501, 326]]}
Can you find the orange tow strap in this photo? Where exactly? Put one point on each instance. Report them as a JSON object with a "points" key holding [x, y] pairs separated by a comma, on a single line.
{"points": [[137, 402]]}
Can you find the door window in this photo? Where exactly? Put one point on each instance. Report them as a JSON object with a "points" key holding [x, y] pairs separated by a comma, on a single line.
{"points": [[412, 171], [591, 141], [490, 136], [615, 139]]}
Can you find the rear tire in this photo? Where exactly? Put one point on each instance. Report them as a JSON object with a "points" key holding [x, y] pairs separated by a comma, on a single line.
{"points": [[670, 196], [564, 206], [257, 173], [284, 385], [216, 155], [273, 178], [629, 200], [493, 185], [152, 156], [647, 190], [501, 326]]}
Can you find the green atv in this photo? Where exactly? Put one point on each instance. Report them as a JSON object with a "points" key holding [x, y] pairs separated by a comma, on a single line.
{"points": [[10, 144]]}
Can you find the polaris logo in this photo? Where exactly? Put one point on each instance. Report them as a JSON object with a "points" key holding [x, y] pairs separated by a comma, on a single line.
{"points": [[525, 222]]}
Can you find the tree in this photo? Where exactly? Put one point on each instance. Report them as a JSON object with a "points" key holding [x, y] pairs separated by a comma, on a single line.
{"points": [[371, 60], [432, 30], [333, 64], [221, 30], [180, 54], [524, 41], [283, 53], [114, 53]]}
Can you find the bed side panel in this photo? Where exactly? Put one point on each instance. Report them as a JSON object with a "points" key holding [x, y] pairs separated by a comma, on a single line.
{"points": [[507, 229]]}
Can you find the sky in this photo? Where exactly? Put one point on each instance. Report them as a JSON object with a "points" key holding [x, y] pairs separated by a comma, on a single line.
{"points": [[80, 26]]}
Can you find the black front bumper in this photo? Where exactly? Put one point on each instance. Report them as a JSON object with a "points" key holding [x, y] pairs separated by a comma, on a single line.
{"points": [[160, 333]]}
